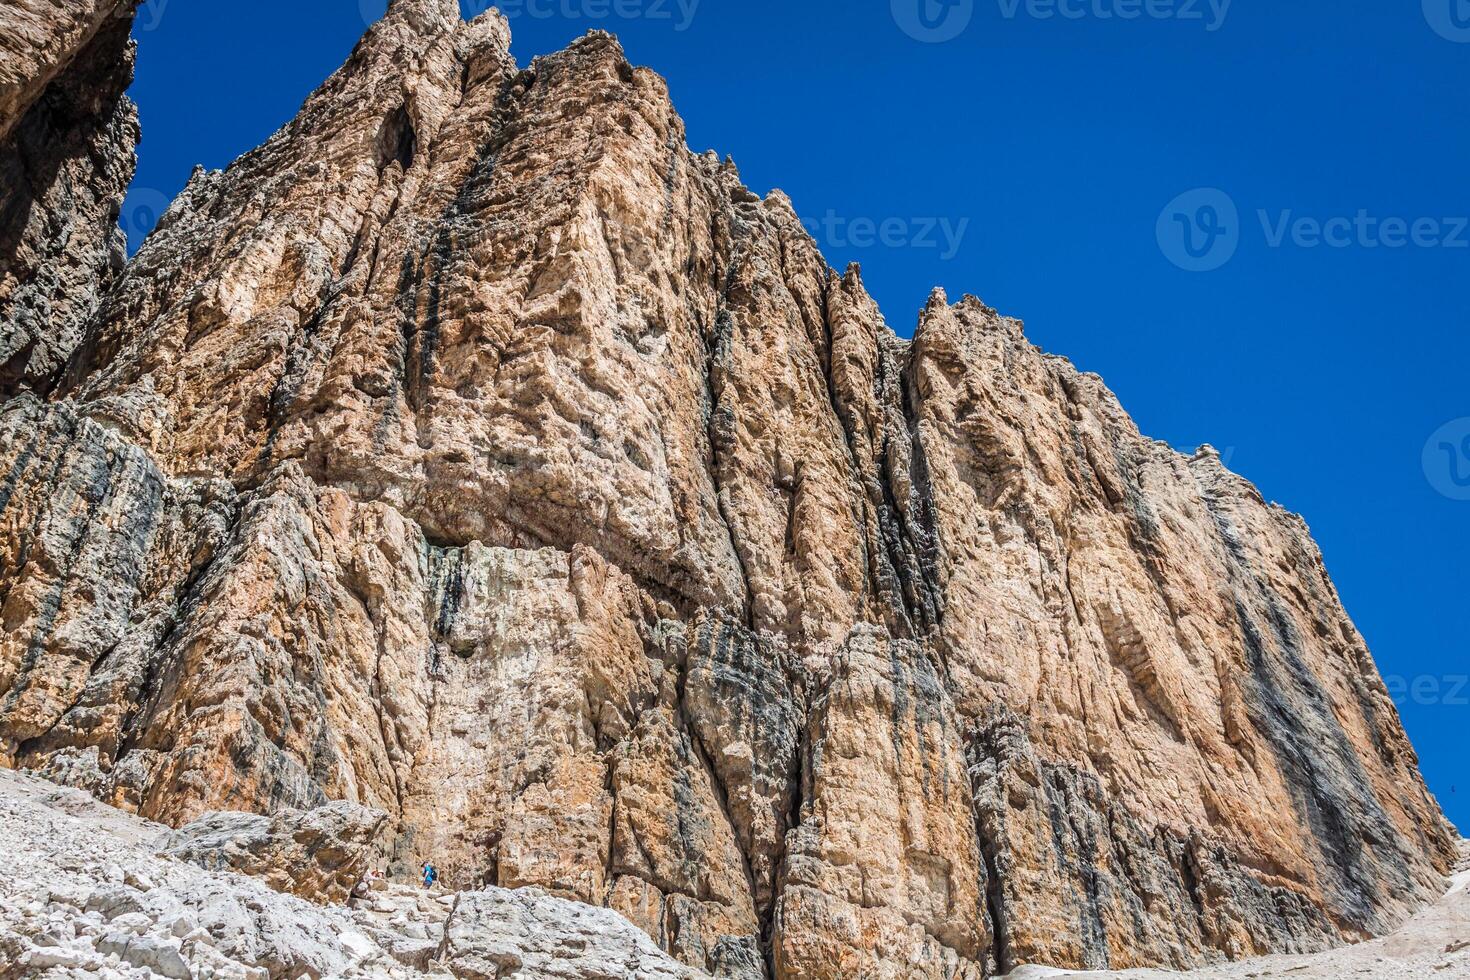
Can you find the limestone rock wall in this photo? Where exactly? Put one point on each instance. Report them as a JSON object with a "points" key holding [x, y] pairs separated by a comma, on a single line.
{"points": [[1175, 646], [67, 139], [475, 452]]}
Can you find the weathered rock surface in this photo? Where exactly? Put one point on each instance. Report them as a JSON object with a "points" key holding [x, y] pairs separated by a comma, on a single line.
{"points": [[84, 894], [496, 933], [67, 139], [475, 452], [1433, 943], [320, 855], [884, 875]]}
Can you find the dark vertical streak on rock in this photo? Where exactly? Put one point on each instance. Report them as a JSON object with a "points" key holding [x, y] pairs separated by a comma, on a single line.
{"points": [[135, 728], [446, 591], [1292, 712], [722, 437]]}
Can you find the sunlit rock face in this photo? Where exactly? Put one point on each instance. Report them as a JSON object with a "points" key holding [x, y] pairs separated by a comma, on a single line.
{"points": [[474, 452]]}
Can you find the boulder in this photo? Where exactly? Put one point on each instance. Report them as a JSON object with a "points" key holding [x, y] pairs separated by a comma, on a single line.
{"points": [[498, 933], [318, 855]]}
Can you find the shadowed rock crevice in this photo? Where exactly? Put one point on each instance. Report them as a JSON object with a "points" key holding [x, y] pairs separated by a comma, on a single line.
{"points": [[67, 139], [397, 140]]}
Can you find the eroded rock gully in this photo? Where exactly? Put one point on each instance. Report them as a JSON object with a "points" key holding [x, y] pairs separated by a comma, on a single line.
{"points": [[475, 452]]}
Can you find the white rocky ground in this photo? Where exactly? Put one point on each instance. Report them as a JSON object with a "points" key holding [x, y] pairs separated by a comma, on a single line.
{"points": [[84, 893]]}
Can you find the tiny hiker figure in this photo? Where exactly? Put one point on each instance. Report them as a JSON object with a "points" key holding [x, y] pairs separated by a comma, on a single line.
{"points": [[430, 875]]}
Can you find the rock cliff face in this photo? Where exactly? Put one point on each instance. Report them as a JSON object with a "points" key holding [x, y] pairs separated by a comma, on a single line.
{"points": [[475, 452], [67, 135]]}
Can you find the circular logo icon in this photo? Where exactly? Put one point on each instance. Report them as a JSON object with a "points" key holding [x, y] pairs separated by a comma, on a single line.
{"points": [[1447, 459], [372, 10], [1449, 18], [933, 21], [1200, 230], [140, 214]]}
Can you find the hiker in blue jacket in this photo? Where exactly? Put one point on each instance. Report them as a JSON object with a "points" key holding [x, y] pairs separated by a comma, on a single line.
{"points": [[430, 875]]}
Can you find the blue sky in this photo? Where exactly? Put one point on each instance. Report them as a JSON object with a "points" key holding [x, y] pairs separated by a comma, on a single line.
{"points": [[1050, 156]]}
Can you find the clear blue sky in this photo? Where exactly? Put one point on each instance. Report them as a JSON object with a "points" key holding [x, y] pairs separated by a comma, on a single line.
{"points": [[1050, 148]]}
